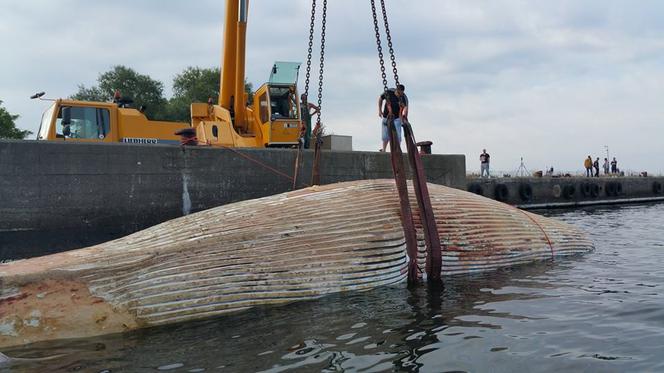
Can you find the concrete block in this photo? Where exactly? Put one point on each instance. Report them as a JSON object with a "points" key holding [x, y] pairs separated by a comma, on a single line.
{"points": [[337, 143]]}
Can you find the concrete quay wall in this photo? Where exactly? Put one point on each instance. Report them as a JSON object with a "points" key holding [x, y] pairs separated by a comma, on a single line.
{"points": [[552, 192], [58, 196]]}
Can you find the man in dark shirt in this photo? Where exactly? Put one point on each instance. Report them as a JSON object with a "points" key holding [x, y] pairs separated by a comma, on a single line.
{"points": [[596, 166], [396, 101], [484, 163], [403, 102], [307, 110]]}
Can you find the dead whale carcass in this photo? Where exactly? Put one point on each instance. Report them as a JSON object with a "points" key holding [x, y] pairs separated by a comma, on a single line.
{"points": [[277, 249]]}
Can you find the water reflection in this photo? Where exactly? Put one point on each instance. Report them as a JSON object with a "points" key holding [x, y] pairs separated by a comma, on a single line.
{"points": [[392, 327]]}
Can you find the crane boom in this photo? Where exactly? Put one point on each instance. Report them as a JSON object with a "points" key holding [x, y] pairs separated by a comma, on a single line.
{"points": [[240, 102], [227, 84], [231, 86]]}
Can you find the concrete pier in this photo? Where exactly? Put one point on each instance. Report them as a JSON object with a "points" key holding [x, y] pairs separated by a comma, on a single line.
{"points": [[552, 192], [58, 196]]}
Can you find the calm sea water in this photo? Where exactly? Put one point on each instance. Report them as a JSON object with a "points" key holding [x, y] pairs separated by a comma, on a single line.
{"points": [[602, 312]]}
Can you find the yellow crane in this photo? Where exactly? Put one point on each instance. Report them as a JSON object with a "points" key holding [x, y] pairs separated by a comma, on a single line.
{"points": [[271, 120]]}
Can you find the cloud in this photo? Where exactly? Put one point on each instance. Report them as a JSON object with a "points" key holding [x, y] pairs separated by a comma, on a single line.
{"points": [[549, 81]]}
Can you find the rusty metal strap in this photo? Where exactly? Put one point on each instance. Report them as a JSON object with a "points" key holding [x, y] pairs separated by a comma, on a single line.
{"points": [[432, 239], [315, 167], [404, 203]]}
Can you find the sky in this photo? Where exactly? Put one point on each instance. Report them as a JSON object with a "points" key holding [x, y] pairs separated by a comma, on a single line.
{"points": [[549, 81]]}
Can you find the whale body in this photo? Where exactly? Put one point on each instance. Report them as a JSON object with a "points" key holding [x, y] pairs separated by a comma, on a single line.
{"points": [[287, 247]]}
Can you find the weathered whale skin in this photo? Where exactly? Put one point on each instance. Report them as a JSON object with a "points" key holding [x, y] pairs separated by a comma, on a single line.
{"points": [[278, 249]]}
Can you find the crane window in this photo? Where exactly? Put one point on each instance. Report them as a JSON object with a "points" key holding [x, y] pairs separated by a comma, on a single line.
{"points": [[46, 123], [264, 110], [283, 103], [86, 123]]}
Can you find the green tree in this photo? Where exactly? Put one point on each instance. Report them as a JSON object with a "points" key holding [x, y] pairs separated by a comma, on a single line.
{"points": [[249, 88], [195, 84], [142, 89], [90, 94], [8, 128]]}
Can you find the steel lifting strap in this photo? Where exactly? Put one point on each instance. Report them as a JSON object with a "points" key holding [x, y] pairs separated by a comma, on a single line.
{"points": [[407, 223], [434, 256], [398, 168], [434, 251]]}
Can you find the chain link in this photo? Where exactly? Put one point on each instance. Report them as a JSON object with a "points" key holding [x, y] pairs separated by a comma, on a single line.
{"points": [[322, 62], [389, 42], [379, 45], [310, 50]]}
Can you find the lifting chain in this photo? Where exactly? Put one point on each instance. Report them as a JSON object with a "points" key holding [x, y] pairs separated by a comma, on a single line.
{"points": [[322, 57], [322, 64], [310, 50], [316, 131], [389, 43], [379, 45]]}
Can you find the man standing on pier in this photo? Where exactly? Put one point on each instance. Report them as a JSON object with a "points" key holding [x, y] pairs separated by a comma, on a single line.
{"points": [[403, 103], [484, 163], [588, 164], [307, 111], [389, 103], [596, 165]]}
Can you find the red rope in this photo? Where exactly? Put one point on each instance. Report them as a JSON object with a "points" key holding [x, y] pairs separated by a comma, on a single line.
{"points": [[542, 229], [260, 163], [185, 141]]}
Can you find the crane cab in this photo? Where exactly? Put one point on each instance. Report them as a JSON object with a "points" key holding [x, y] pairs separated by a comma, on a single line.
{"points": [[277, 105], [271, 119], [83, 121], [277, 111]]}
